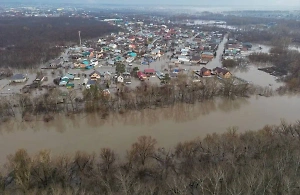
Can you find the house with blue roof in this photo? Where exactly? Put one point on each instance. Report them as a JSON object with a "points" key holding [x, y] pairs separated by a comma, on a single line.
{"points": [[63, 81], [132, 54], [86, 53], [69, 76], [86, 62], [89, 67]]}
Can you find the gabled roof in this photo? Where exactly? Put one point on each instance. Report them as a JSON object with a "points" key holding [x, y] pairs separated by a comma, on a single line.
{"points": [[95, 72], [220, 70], [150, 70], [204, 69]]}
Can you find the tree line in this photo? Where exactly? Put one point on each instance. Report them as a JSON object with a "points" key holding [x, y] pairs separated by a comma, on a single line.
{"points": [[254, 162], [29, 41], [284, 61], [178, 90]]}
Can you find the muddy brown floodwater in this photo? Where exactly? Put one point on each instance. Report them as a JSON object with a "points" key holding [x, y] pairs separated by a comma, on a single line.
{"points": [[89, 132]]}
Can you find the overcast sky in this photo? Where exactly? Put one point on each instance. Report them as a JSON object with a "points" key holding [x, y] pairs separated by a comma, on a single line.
{"points": [[295, 4]]}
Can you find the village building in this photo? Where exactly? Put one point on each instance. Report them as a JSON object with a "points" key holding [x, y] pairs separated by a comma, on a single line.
{"points": [[195, 59], [205, 72], [69, 76], [224, 73], [120, 79], [141, 76], [207, 56], [95, 75], [63, 81], [127, 77], [149, 72], [18, 78]]}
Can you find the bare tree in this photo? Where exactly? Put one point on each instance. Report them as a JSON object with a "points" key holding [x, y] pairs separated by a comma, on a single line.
{"points": [[20, 165], [142, 150]]}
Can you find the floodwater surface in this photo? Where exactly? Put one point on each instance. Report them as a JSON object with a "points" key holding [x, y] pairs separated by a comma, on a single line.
{"points": [[183, 122], [250, 72]]}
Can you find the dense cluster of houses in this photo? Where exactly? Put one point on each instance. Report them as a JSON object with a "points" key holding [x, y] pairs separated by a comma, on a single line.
{"points": [[142, 43], [200, 49], [149, 42], [94, 78], [235, 49]]}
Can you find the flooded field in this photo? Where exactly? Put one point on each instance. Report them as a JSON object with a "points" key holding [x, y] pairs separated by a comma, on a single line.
{"points": [[257, 77], [168, 125]]}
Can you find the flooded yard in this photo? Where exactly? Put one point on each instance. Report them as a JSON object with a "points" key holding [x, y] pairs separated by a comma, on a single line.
{"points": [[249, 72], [90, 132], [252, 74]]}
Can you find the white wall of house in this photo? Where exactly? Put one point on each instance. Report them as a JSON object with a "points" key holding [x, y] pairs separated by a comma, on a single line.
{"points": [[20, 80], [120, 79]]}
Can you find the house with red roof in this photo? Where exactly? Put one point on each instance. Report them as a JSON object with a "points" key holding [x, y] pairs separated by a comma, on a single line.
{"points": [[149, 72]]}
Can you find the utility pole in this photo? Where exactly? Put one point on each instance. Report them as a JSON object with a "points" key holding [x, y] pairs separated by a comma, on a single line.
{"points": [[79, 38]]}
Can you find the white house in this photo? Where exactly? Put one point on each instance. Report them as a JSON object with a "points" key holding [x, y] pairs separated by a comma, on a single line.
{"points": [[114, 46], [130, 59], [120, 79], [183, 59]]}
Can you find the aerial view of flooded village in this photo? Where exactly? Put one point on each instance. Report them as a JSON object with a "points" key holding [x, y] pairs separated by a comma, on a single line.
{"points": [[141, 99]]}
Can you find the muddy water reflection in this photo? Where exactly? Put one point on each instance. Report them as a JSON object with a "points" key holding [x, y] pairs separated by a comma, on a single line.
{"points": [[90, 132], [252, 74]]}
